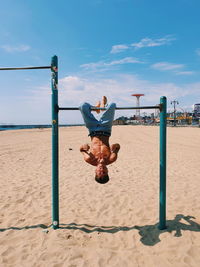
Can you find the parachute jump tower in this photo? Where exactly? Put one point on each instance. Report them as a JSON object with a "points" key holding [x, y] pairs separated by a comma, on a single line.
{"points": [[138, 103]]}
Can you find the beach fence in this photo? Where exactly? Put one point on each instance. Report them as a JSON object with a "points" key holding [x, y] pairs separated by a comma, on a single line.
{"points": [[55, 143]]}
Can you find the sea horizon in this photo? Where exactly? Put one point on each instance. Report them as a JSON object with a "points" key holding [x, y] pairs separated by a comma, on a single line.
{"points": [[5, 127]]}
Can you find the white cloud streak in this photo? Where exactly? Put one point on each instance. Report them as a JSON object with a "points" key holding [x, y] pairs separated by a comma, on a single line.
{"points": [[175, 68], [198, 51], [145, 42], [166, 66], [149, 42], [185, 72], [118, 48], [103, 64], [12, 49]]}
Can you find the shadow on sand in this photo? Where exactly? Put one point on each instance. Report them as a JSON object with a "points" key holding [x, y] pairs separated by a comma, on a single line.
{"points": [[149, 233], [43, 226]]}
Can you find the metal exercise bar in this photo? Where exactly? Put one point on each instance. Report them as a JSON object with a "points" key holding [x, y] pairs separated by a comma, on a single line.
{"points": [[95, 108], [163, 161], [27, 68], [55, 143], [163, 136]]}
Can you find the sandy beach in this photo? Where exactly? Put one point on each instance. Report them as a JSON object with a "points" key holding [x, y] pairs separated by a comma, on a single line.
{"points": [[115, 224]]}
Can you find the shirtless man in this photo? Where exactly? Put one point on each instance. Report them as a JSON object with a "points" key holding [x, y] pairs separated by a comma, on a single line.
{"points": [[100, 153]]}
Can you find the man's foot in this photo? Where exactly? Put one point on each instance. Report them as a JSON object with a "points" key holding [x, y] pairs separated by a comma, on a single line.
{"points": [[98, 105], [103, 102]]}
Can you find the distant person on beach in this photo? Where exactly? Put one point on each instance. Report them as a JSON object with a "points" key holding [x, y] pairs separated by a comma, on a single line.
{"points": [[100, 153]]}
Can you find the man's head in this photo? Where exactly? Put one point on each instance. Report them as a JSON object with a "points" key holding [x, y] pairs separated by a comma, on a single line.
{"points": [[101, 174]]}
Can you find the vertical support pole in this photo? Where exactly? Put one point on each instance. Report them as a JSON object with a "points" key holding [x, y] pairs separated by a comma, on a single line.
{"points": [[55, 160], [163, 129]]}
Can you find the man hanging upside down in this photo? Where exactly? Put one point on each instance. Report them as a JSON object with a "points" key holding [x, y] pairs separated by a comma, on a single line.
{"points": [[100, 153]]}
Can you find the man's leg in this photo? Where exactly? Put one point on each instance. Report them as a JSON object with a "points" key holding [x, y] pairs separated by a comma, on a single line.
{"points": [[107, 118], [90, 121]]}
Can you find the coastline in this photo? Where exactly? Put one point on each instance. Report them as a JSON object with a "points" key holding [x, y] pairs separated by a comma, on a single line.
{"points": [[5, 127]]}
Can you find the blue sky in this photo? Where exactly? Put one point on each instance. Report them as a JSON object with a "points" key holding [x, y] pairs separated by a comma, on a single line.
{"points": [[105, 47]]}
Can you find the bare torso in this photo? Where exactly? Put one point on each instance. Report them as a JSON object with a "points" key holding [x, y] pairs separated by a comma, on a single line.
{"points": [[100, 151]]}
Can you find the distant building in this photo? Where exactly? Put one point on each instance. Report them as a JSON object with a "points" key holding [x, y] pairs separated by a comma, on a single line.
{"points": [[119, 122], [197, 110]]}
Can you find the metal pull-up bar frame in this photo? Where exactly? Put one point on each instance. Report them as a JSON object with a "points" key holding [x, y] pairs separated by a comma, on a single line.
{"points": [[27, 68], [95, 108], [55, 144], [55, 161]]}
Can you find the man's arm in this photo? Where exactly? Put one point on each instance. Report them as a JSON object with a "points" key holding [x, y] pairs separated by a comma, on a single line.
{"points": [[114, 151], [88, 157], [84, 148]]}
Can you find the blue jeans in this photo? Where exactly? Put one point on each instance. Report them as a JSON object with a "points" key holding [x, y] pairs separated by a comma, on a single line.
{"points": [[104, 124]]}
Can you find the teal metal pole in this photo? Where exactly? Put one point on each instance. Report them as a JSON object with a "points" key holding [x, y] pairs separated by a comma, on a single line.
{"points": [[163, 130], [55, 160]]}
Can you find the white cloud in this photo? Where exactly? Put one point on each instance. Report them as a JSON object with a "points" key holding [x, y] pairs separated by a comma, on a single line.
{"points": [[175, 68], [185, 72], [118, 48], [118, 89], [148, 42], [75, 89], [198, 51], [145, 42], [124, 61], [19, 48], [72, 83], [103, 64], [93, 65], [166, 66]]}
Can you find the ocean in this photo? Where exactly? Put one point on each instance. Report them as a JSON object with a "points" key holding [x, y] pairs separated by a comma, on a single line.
{"points": [[32, 126]]}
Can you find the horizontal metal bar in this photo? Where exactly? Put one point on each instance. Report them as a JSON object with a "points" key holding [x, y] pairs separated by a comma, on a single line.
{"points": [[27, 68], [95, 108]]}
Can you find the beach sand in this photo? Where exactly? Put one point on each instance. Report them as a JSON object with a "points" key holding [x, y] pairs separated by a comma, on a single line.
{"points": [[115, 224]]}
